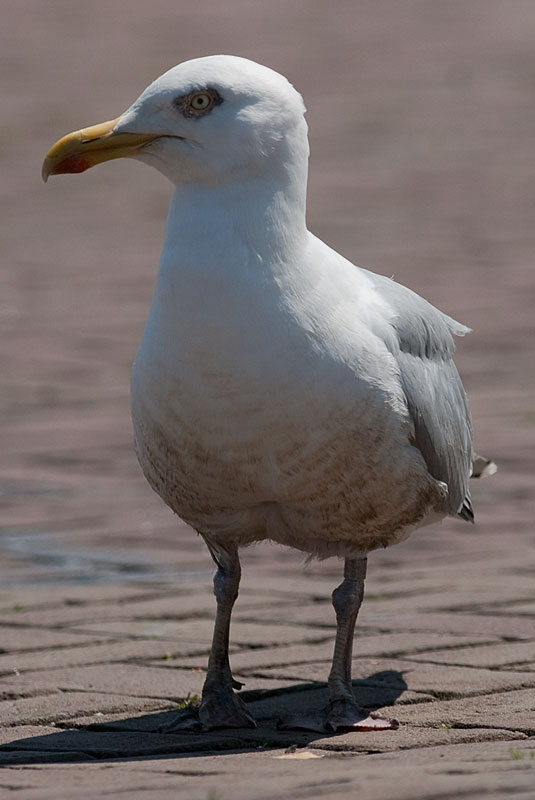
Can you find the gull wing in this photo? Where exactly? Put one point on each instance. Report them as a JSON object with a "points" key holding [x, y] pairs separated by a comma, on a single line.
{"points": [[423, 347]]}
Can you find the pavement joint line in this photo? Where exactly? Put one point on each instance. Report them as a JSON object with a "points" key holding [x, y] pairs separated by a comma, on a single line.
{"points": [[14, 695], [431, 629], [127, 661], [314, 625], [53, 647], [497, 604], [81, 606], [150, 594], [493, 613], [508, 639], [491, 667], [468, 726], [258, 647], [249, 695], [424, 745]]}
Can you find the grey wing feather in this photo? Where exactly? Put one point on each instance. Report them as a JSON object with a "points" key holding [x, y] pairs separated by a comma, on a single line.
{"points": [[435, 395]]}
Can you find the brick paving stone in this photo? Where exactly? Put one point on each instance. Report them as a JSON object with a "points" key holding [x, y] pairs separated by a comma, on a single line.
{"points": [[514, 710], [16, 639], [9, 691], [388, 644], [408, 737], [127, 679], [199, 631], [16, 601], [482, 655], [246, 660], [16, 732], [528, 667], [474, 600], [385, 582], [173, 606], [19, 759], [47, 708], [465, 594], [148, 723], [110, 651], [385, 577], [116, 742], [527, 609], [300, 585], [296, 778], [514, 627], [321, 612], [417, 676], [479, 770]]}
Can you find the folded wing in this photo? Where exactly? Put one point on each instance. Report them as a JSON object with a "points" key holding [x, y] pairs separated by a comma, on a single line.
{"points": [[423, 347]]}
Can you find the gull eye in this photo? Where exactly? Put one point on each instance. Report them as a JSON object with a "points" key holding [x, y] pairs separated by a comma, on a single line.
{"points": [[197, 104], [201, 101]]}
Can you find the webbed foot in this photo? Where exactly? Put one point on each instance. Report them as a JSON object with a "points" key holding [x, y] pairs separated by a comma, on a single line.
{"points": [[340, 715], [220, 708]]}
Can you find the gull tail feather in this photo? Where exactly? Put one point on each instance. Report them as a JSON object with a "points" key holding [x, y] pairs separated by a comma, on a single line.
{"points": [[482, 467]]}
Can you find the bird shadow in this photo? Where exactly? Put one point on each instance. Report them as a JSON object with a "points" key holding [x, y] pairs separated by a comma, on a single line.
{"points": [[145, 737]]}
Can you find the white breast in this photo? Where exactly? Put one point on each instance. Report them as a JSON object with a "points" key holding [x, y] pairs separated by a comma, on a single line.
{"points": [[276, 412]]}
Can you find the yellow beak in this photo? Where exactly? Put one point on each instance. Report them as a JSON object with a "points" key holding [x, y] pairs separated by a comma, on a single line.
{"points": [[82, 149]]}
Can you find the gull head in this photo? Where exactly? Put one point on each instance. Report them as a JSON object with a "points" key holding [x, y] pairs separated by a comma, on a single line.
{"points": [[206, 121]]}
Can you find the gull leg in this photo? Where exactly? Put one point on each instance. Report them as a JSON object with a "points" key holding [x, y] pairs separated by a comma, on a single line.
{"points": [[342, 711], [220, 706]]}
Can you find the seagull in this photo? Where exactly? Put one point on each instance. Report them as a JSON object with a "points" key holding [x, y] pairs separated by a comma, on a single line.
{"points": [[279, 391]]}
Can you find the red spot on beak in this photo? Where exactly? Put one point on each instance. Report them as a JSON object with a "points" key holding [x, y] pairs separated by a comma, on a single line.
{"points": [[71, 164]]}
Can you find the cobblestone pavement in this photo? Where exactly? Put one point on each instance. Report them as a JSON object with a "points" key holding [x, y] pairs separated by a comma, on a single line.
{"points": [[421, 120]]}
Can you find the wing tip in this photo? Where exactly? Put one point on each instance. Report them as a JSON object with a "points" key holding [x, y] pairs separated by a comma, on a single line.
{"points": [[465, 510]]}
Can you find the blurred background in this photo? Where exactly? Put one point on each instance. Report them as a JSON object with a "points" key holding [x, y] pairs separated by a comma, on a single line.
{"points": [[422, 122]]}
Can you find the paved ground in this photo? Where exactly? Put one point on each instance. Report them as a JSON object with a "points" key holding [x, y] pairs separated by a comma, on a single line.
{"points": [[421, 120]]}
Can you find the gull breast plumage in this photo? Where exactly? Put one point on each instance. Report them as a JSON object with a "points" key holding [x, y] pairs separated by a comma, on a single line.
{"points": [[289, 423], [279, 391]]}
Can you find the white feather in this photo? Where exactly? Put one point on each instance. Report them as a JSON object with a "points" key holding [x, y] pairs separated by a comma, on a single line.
{"points": [[271, 393]]}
